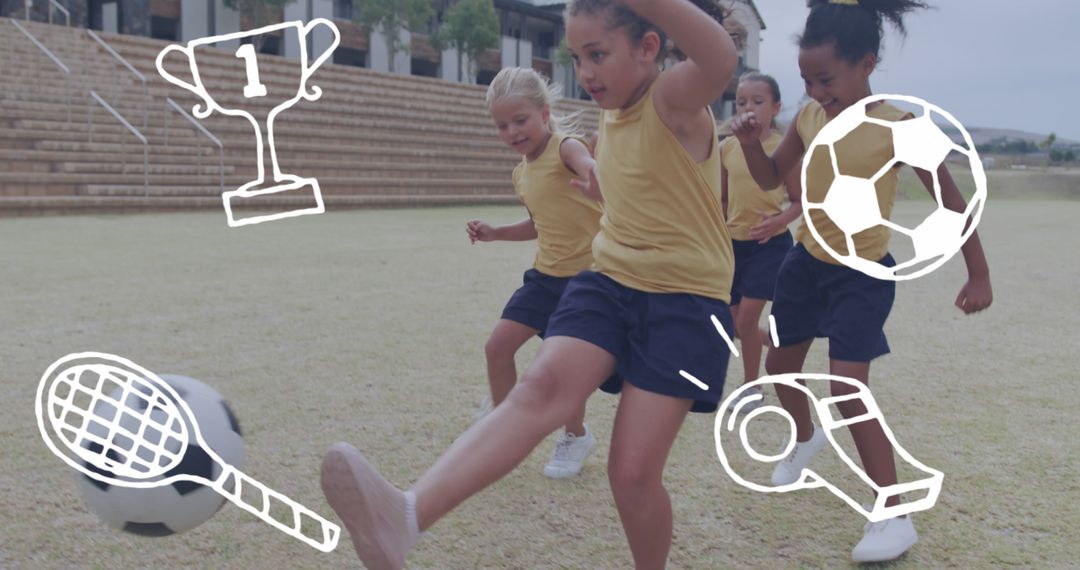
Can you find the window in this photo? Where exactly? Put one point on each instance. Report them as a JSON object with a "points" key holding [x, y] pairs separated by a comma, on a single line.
{"points": [[343, 9]]}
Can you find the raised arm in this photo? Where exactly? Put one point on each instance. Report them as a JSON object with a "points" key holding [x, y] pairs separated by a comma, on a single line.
{"points": [[768, 171], [691, 85]]}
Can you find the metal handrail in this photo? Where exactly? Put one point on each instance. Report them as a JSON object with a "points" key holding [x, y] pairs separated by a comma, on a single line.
{"points": [[221, 148], [123, 151], [67, 15], [63, 68], [131, 68]]}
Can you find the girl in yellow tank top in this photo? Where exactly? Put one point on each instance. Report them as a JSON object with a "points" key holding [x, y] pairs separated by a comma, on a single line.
{"points": [[815, 296], [563, 221], [661, 278], [758, 222]]}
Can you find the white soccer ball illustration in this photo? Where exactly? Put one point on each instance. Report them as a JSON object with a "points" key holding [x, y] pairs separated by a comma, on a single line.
{"points": [[851, 202]]}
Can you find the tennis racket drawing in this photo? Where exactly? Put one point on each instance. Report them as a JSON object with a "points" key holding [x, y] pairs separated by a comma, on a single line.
{"points": [[80, 401]]}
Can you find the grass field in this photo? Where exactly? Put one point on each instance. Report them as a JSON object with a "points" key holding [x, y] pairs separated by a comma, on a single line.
{"points": [[368, 326]]}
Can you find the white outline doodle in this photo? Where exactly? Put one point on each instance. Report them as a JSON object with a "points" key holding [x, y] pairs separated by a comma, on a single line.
{"points": [[809, 479], [286, 182], [74, 423], [942, 240]]}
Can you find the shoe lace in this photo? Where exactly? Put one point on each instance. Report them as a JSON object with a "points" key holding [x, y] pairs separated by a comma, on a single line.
{"points": [[562, 447], [875, 527], [879, 526], [790, 457]]}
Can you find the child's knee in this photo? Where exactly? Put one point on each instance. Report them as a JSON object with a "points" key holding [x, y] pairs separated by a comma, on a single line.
{"points": [[631, 477], [497, 348], [746, 322], [539, 391]]}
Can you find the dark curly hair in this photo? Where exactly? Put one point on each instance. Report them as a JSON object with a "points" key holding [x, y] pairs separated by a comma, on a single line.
{"points": [[855, 29], [619, 16]]}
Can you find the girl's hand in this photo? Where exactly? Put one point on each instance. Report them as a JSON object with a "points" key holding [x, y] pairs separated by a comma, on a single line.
{"points": [[479, 230], [590, 187], [975, 296], [747, 128], [768, 227]]}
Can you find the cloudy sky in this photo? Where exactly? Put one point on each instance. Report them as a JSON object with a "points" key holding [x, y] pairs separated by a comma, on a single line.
{"points": [[991, 63]]}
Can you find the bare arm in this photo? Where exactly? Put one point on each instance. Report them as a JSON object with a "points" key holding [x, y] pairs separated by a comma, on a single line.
{"points": [[688, 87], [575, 155], [524, 230], [768, 171], [479, 230], [976, 294], [771, 225], [723, 189]]}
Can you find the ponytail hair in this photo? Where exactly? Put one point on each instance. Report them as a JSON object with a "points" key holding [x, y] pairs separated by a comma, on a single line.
{"points": [[530, 85], [855, 27]]}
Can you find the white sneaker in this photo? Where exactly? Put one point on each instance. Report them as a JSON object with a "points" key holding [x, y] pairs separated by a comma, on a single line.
{"points": [[790, 468], [570, 453], [885, 540], [748, 406], [484, 409]]}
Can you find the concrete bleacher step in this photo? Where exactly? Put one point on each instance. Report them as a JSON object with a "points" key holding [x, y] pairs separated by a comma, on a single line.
{"points": [[372, 140], [328, 187], [59, 205], [137, 168]]}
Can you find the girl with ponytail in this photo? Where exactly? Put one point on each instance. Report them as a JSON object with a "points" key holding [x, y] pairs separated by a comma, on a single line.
{"points": [[815, 295]]}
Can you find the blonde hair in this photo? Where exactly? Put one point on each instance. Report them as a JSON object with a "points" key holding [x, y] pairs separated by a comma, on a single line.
{"points": [[530, 85]]}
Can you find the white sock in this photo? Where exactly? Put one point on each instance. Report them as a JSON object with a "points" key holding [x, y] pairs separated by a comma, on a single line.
{"points": [[410, 519]]}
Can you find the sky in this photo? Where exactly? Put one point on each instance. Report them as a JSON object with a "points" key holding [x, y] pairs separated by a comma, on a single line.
{"points": [[990, 63]]}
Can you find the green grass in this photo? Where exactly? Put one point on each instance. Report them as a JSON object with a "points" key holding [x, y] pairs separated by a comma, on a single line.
{"points": [[1034, 184], [368, 327]]}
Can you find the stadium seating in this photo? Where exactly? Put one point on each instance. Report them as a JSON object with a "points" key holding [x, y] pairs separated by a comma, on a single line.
{"points": [[372, 140]]}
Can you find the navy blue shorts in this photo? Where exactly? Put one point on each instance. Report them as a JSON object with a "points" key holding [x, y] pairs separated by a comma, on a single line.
{"points": [[818, 299], [756, 267], [651, 335], [534, 302]]}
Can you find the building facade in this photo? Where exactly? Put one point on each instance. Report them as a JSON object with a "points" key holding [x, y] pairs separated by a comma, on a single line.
{"points": [[530, 33]]}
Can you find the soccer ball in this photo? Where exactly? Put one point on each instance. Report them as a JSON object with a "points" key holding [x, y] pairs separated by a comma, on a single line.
{"points": [[851, 202], [161, 511]]}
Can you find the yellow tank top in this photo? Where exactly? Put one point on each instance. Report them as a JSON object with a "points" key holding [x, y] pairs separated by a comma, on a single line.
{"points": [[566, 221], [861, 153], [745, 198], [663, 227]]}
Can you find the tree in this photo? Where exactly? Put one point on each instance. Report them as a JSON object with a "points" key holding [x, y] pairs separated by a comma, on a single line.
{"points": [[563, 55], [471, 27], [1048, 144], [259, 13], [390, 17]]}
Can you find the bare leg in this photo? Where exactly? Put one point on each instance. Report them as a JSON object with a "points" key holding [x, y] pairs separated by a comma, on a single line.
{"points": [[500, 349], [576, 425], [874, 448], [788, 360], [646, 425], [750, 341], [566, 371]]}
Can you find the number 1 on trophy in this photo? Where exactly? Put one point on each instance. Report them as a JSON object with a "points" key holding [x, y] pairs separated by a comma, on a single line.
{"points": [[253, 88]]}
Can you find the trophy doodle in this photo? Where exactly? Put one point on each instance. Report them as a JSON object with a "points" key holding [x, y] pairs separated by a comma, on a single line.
{"points": [[248, 194]]}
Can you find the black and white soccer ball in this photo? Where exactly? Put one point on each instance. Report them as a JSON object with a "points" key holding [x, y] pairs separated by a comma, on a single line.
{"points": [[182, 506]]}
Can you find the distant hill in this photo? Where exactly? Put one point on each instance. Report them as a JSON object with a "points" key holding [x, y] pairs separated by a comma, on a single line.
{"points": [[983, 135], [980, 135]]}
